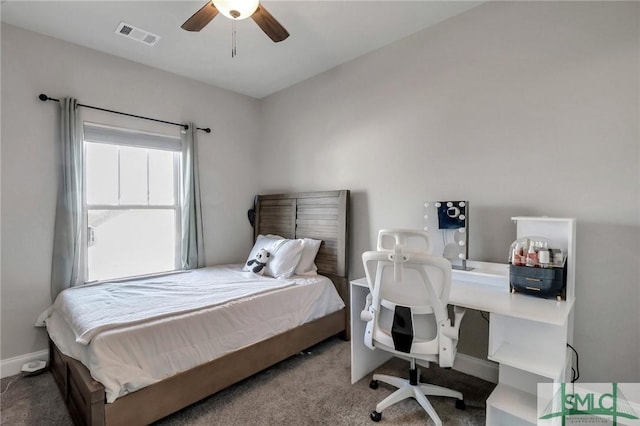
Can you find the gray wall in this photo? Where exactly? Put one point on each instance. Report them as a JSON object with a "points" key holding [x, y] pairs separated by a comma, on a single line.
{"points": [[522, 108], [32, 64]]}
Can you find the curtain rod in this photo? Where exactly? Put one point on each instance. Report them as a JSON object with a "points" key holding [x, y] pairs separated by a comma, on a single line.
{"points": [[45, 98]]}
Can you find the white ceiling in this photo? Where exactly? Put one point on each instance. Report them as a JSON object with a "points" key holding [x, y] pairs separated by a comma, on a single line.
{"points": [[324, 34]]}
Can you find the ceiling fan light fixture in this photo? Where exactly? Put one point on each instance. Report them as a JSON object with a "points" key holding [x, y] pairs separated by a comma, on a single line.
{"points": [[236, 9]]}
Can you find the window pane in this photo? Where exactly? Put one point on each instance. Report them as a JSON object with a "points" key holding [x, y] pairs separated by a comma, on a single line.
{"points": [[161, 177], [133, 175], [130, 242], [102, 174]]}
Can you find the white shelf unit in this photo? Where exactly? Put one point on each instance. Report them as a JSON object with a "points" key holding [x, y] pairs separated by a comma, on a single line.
{"points": [[529, 340]]}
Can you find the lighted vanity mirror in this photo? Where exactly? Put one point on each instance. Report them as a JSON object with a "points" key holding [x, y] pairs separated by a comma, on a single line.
{"points": [[447, 223]]}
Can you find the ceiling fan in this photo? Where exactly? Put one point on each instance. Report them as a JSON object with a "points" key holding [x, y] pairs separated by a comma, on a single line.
{"points": [[237, 10]]}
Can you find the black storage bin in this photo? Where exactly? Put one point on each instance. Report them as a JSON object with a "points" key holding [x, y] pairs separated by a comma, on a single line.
{"points": [[541, 282]]}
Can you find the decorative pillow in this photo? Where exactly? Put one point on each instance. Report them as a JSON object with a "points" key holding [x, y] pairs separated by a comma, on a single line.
{"points": [[307, 266], [285, 258], [269, 243], [285, 255]]}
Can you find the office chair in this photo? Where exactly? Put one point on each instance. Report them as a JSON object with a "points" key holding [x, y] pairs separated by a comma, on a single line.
{"points": [[406, 314]]}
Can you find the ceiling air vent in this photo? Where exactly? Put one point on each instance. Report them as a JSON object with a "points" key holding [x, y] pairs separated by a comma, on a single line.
{"points": [[137, 34]]}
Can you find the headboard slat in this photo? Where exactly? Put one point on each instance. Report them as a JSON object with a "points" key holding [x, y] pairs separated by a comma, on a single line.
{"points": [[276, 216]]}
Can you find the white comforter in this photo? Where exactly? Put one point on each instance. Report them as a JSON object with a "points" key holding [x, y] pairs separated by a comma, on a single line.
{"points": [[94, 308], [126, 358]]}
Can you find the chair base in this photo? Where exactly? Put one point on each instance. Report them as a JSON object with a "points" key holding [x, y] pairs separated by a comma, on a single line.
{"points": [[418, 391]]}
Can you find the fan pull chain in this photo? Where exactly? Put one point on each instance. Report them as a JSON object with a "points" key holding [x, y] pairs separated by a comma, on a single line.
{"points": [[233, 39]]}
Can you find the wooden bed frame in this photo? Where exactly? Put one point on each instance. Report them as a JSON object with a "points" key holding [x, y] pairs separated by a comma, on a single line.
{"points": [[319, 215]]}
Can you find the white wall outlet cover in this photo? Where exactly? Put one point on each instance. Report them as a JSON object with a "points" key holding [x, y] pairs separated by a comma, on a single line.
{"points": [[33, 366]]}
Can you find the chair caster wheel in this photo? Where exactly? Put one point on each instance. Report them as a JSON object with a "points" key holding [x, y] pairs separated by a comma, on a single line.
{"points": [[375, 416], [460, 405], [373, 385]]}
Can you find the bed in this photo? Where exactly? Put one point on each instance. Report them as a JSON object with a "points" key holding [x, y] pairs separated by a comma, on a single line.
{"points": [[314, 215]]}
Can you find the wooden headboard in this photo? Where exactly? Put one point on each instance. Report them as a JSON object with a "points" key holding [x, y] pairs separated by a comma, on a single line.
{"points": [[319, 215]]}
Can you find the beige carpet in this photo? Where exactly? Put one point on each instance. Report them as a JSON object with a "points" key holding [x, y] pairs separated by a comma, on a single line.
{"points": [[308, 389]]}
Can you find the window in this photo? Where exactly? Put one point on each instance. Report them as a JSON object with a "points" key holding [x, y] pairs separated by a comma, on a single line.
{"points": [[132, 202]]}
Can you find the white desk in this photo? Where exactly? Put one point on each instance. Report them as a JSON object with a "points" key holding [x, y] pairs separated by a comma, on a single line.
{"points": [[527, 337]]}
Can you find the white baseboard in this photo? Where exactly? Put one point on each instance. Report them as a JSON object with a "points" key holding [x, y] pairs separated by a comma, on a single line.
{"points": [[12, 366], [481, 368]]}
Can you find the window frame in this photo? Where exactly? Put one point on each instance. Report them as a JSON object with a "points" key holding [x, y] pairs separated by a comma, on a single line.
{"points": [[116, 136]]}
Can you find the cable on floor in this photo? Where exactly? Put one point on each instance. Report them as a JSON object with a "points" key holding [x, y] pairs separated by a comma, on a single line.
{"points": [[9, 384]]}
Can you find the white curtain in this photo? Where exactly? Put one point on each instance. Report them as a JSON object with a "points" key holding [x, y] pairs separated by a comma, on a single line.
{"points": [[192, 230], [67, 268]]}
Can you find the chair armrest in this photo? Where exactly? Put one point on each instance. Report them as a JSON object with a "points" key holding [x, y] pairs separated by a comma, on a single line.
{"points": [[449, 338], [458, 314], [452, 331], [366, 314]]}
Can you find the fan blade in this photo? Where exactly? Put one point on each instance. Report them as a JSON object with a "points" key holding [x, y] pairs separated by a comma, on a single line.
{"points": [[201, 18], [269, 25]]}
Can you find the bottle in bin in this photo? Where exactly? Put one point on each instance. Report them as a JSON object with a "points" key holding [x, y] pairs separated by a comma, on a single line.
{"points": [[532, 256], [517, 256], [544, 256]]}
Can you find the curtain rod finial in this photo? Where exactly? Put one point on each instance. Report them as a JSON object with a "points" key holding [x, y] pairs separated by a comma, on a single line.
{"points": [[43, 97], [207, 130]]}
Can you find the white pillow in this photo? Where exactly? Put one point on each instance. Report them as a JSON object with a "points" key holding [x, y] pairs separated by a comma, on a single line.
{"points": [[284, 255], [269, 243], [284, 258], [307, 266]]}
